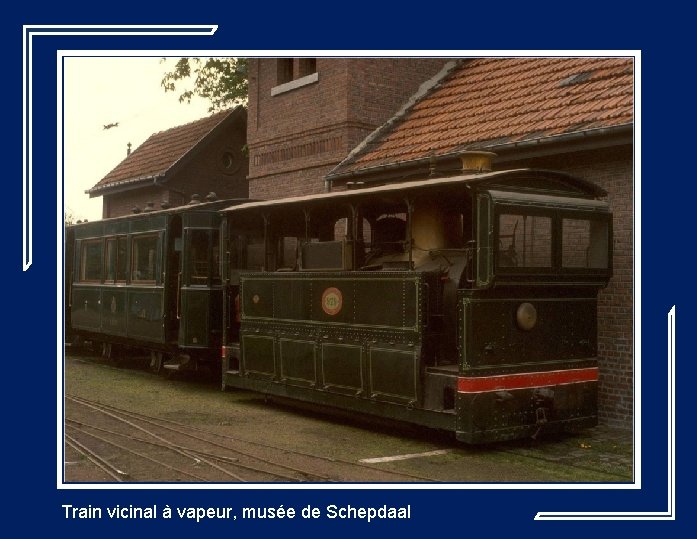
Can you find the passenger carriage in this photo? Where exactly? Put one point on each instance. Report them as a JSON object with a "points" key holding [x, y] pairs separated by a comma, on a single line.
{"points": [[149, 281]]}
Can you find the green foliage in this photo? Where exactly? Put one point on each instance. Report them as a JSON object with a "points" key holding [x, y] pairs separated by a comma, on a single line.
{"points": [[223, 81]]}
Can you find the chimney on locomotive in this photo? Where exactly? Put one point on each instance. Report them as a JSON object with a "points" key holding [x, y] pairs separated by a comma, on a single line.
{"points": [[477, 161]]}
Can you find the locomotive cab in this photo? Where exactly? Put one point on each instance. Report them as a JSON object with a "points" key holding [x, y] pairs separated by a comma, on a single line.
{"points": [[464, 303]]}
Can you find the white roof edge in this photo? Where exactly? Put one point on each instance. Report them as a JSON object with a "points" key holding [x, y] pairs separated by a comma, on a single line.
{"points": [[390, 188]]}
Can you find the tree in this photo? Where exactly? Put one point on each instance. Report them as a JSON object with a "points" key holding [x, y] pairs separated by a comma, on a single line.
{"points": [[68, 217], [223, 81]]}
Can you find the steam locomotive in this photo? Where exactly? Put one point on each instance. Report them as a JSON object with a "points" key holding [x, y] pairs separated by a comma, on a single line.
{"points": [[465, 303]]}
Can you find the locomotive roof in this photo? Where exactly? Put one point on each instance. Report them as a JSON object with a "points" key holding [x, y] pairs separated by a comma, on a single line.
{"points": [[565, 183]]}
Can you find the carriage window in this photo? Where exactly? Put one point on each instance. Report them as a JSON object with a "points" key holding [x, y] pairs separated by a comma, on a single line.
{"points": [[91, 261], [203, 256], [524, 241], [584, 243], [115, 259], [215, 255], [144, 257], [199, 243], [110, 260]]}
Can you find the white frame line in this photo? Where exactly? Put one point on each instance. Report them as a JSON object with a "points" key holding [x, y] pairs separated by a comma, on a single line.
{"points": [[28, 33], [669, 513]]}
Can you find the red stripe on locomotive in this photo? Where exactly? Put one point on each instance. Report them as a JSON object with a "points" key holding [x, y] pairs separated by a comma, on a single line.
{"points": [[481, 384]]}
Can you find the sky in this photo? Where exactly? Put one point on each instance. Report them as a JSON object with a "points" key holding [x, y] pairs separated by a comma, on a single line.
{"points": [[100, 91]]}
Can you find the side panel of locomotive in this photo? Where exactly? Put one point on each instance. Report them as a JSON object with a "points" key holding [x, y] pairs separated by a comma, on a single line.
{"points": [[349, 340]]}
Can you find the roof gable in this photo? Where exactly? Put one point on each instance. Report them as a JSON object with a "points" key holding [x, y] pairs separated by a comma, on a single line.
{"points": [[486, 102], [159, 154]]}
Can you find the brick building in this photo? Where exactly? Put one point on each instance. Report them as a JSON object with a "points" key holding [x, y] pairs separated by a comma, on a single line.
{"points": [[306, 114], [170, 166], [569, 114]]}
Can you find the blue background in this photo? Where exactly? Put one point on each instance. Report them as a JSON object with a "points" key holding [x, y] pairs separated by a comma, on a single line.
{"points": [[669, 230]]}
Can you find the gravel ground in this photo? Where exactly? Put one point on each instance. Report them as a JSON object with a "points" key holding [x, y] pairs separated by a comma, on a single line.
{"points": [[237, 436]]}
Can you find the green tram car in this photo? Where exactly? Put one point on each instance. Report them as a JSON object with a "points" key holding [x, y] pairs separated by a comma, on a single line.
{"points": [[149, 281], [466, 303]]}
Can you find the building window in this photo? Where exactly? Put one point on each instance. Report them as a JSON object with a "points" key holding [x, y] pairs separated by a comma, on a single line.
{"points": [[307, 66], [290, 76], [229, 162], [284, 70]]}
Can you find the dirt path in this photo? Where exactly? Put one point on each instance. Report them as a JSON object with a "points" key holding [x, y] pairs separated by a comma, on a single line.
{"points": [[151, 428]]}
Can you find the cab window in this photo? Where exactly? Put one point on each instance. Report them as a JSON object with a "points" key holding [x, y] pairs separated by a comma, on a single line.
{"points": [[584, 243], [524, 241]]}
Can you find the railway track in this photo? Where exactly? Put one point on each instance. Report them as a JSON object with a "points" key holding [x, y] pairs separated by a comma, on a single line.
{"points": [[166, 450]]}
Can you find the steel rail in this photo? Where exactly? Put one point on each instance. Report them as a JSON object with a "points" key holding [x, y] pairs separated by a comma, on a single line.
{"points": [[264, 445], [138, 453], [214, 456], [163, 440], [95, 459], [153, 421]]}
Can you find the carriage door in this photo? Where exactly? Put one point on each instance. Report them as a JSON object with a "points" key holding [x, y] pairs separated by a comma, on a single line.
{"points": [[173, 269], [200, 290]]}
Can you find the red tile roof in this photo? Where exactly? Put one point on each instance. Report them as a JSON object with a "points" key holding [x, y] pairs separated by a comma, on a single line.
{"points": [[161, 151], [486, 102]]}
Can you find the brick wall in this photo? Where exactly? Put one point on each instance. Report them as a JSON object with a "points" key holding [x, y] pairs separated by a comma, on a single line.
{"points": [[123, 203], [296, 137], [612, 169]]}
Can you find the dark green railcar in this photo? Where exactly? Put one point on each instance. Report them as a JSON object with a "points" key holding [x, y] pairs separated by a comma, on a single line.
{"points": [[151, 281], [466, 303]]}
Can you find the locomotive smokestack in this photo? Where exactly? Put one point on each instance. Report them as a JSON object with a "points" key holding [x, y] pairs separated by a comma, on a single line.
{"points": [[477, 161]]}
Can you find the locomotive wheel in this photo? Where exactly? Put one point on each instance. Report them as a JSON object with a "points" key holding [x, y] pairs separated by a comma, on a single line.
{"points": [[112, 352], [156, 361]]}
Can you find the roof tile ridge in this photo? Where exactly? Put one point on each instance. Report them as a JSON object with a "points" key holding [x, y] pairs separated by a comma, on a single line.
{"points": [[192, 122], [156, 135], [424, 89]]}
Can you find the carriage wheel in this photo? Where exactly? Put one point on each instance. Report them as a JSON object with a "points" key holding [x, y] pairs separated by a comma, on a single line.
{"points": [[156, 361], [112, 352]]}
